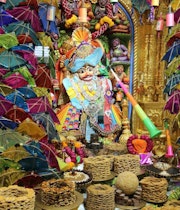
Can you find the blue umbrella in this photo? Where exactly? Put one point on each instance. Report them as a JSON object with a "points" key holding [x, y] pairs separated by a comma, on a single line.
{"points": [[27, 92], [172, 52], [18, 99], [6, 18], [171, 84], [7, 123]]}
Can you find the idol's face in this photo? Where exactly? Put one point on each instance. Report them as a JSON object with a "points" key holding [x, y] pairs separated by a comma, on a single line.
{"points": [[86, 73]]}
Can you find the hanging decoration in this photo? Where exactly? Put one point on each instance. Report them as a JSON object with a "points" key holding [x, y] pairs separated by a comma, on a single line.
{"points": [[140, 6]]}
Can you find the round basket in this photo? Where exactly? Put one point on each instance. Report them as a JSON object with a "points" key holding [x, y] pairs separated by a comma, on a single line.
{"points": [[154, 189], [99, 167], [15, 197], [100, 196], [127, 162]]}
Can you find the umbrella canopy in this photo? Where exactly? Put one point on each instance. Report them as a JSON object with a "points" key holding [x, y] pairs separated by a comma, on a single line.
{"points": [[28, 56], [173, 67], [27, 14], [7, 123], [11, 3], [173, 102], [46, 121], [171, 84], [10, 137], [41, 105], [8, 40], [31, 3], [33, 163], [17, 114], [27, 92], [6, 18], [18, 99], [22, 28], [5, 105], [140, 6], [42, 76], [32, 129], [5, 89], [15, 80], [30, 181], [172, 52], [11, 60], [34, 149]]}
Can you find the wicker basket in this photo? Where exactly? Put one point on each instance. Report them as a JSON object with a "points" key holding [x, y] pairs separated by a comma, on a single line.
{"points": [[127, 162], [114, 149], [17, 198], [100, 197], [154, 189], [99, 167]]}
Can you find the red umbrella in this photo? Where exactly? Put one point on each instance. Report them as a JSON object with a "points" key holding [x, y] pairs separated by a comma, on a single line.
{"points": [[24, 38], [41, 105], [31, 3], [5, 105], [27, 14], [17, 114], [42, 76]]}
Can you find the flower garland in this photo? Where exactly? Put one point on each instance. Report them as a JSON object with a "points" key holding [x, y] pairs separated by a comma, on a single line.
{"points": [[75, 154], [137, 145]]}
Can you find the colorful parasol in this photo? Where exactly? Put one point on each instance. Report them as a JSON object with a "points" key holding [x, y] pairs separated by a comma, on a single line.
{"points": [[172, 52], [27, 92], [27, 14], [42, 76], [46, 121], [10, 137], [11, 60], [17, 114], [8, 40], [41, 105], [173, 67], [173, 102], [7, 123], [22, 28], [17, 99], [171, 83], [6, 18], [5, 105], [31, 129], [11, 3], [5, 89]]}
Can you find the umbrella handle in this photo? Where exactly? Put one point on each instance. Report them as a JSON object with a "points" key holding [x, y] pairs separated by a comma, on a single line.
{"points": [[154, 132]]}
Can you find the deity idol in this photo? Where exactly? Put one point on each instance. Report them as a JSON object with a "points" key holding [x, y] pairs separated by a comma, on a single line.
{"points": [[90, 93]]}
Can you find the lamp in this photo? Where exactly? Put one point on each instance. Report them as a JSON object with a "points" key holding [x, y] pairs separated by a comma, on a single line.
{"points": [[170, 19]]}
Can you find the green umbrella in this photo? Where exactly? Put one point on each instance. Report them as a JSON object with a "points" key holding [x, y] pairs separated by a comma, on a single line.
{"points": [[8, 40], [11, 60]]}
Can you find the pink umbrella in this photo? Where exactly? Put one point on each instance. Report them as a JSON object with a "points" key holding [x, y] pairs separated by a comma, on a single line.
{"points": [[15, 80], [27, 14], [41, 105]]}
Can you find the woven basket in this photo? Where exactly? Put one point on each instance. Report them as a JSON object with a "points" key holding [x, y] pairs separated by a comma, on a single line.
{"points": [[114, 149], [127, 162], [17, 198], [154, 189], [99, 167], [100, 197], [58, 192]]}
